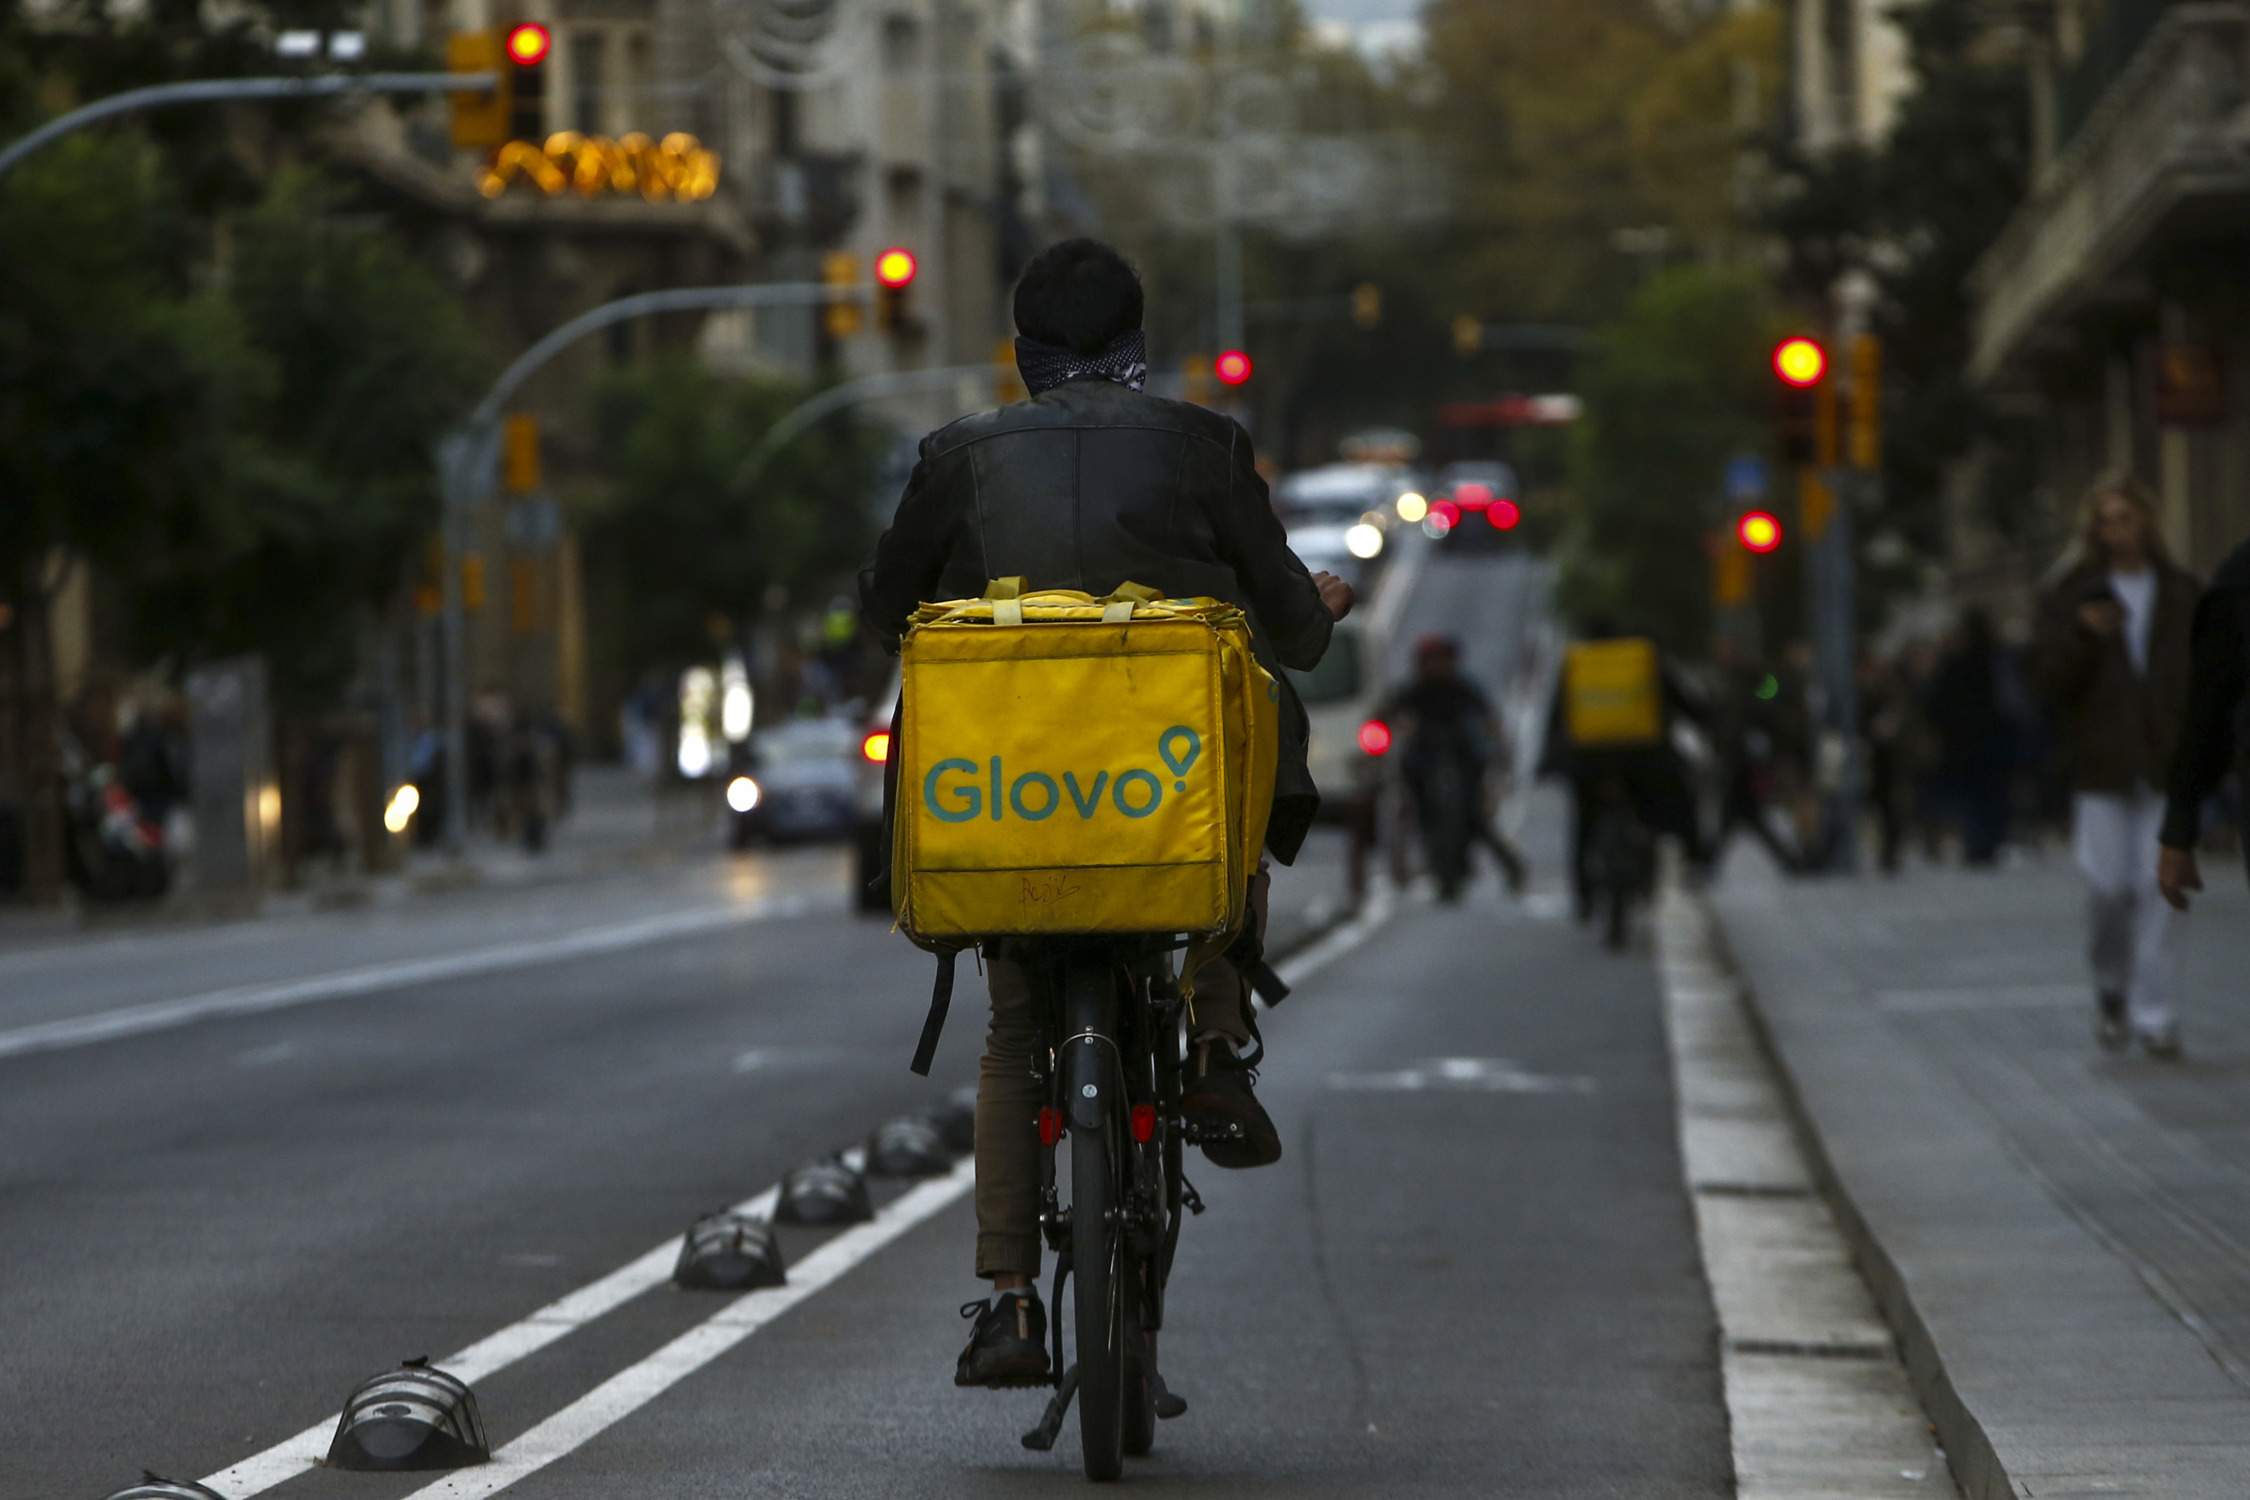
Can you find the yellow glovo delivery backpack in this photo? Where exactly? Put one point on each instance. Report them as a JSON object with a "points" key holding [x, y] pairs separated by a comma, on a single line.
{"points": [[1074, 765], [1613, 694]]}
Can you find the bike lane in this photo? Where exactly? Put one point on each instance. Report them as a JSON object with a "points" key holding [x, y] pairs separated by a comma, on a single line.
{"points": [[1473, 1273]]}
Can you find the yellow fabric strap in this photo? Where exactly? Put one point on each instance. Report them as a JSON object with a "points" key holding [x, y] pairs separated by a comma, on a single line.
{"points": [[1006, 595], [1118, 607]]}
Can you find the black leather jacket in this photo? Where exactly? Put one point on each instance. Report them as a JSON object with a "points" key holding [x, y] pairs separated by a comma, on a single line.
{"points": [[1093, 484]]}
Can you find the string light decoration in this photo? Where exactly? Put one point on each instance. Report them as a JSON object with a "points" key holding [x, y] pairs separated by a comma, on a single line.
{"points": [[679, 168]]}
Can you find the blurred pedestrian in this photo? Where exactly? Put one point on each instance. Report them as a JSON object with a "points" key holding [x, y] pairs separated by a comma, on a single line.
{"points": [[1969, 708], [2217, 732], [1885, 709], [1747, 735], [2112, 655]]}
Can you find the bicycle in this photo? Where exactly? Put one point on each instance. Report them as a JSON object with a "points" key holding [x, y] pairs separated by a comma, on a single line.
{"points": [[1620, 861], [1117, 1044]]}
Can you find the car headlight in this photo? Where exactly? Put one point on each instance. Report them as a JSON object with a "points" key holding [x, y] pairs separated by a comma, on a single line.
{"points": [[742, 794], [1363, 541]]}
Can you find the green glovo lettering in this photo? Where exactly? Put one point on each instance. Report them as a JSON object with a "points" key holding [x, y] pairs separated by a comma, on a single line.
{"points": [[968, 801], [1034, 779], [1132, 778]]}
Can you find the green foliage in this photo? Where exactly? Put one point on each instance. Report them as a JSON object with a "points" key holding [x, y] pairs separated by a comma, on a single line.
{"points": [[674, 544], [1676, 387], [366, 358], [118, 384]]}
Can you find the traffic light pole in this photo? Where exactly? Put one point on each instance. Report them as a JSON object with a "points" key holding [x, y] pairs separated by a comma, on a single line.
{"points": [[227, 90], [468, 462]]}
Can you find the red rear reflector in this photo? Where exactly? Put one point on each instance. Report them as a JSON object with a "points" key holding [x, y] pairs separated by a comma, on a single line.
{"points": [[1375, 736], [1144, 1123], [1503, 515], [877, 746], [1050, 1125]]}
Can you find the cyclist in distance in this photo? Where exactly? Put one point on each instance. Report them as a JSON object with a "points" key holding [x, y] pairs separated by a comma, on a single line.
{"points": [[1615, 701], [1091, 483], [1448, 722]]}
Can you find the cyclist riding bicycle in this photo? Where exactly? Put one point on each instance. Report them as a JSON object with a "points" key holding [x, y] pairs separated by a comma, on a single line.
{"points": [[1610, 727], [1089, 484], [1447, 724]]}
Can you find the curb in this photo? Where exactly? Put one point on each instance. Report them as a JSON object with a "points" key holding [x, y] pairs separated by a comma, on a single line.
{"points": [[1969, 1453]]}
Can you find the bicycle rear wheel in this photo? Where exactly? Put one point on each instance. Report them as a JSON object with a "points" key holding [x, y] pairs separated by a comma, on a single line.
{"points": [[1098, 1277]]}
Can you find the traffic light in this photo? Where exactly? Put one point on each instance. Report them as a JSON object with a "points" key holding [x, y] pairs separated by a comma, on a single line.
{"points": [[1232, 367], [895, 270], [480, 120], [842, 315], [1758, 531], [525, 46], [1804, 404], [519, 454]]}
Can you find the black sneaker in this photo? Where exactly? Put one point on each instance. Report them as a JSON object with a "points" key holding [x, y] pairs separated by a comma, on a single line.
{"points": [[2109, 1022], [1009, 1347], [1221, 1109]]}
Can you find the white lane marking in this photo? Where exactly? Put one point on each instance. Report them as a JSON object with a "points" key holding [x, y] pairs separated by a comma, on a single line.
{"points": [[1335, 943], [1473, 1075], [162, 1015], [292, 1456], [1392, 593], [267, 1056], [637, 1385]]}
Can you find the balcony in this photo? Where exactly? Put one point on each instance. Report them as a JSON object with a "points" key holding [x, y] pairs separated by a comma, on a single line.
{"points": [[2161, 154]]}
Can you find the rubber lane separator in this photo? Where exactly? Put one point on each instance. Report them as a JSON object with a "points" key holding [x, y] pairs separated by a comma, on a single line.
{"points": [[637, 1385], [251, 999], [292, 1456]]}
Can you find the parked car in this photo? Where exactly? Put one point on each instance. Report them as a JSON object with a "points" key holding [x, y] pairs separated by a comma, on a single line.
{"points": [[797, 783]]}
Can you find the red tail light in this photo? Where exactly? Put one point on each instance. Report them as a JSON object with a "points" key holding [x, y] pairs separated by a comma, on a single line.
{"points": [[1144, 1123], [1375, 736], [877, 746], [1503, 514], [1446, 514], [1050, 1125]]}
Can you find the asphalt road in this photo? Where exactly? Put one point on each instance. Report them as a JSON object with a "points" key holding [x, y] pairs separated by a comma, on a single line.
{"points": [[309, 1149]]}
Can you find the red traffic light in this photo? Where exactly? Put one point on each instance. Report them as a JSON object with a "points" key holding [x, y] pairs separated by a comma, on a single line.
{"points": [[1503, 513], [1758, 531], [895, 268], [528, 44], [1800, 361], [1232, 367], [1375, 737]]}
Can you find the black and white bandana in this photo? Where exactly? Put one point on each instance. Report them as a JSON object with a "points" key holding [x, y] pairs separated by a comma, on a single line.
{"points": [[1044, 366]]}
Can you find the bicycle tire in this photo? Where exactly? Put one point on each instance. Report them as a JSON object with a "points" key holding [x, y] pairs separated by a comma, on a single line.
{"points": [[1098, 1280]]}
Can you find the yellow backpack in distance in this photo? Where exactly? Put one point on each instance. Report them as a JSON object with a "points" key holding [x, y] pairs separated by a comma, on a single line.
{"points": [[1072, 765], [1613, 694]]}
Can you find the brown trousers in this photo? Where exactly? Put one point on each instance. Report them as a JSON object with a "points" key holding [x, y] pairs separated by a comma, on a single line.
{"points": [[1009, 1095]]}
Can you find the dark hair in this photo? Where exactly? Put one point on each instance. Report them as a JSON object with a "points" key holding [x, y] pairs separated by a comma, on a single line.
{"points": [[1079, 295]]}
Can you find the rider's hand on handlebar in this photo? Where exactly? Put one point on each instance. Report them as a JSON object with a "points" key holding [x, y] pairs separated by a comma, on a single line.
{"points": [[1335, 593]]}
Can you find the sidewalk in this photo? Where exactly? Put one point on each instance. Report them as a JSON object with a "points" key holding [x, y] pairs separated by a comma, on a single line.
{"points": [[2061, 1237], [618, 820]]}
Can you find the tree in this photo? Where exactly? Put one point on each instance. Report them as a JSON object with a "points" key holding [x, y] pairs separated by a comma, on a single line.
{"points": [[1677, 386], [371, 358], [1914, 214], [120, 388], [675, 546]]}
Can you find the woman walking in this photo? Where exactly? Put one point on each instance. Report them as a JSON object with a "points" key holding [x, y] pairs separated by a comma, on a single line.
{"points": [[2112, 658]]}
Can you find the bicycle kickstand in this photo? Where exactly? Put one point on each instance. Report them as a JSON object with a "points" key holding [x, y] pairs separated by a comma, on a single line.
{"points": [[1041, 1438]]}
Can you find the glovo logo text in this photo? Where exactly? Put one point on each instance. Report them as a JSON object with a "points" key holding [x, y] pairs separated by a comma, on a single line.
{"points": [[958, 790]]}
